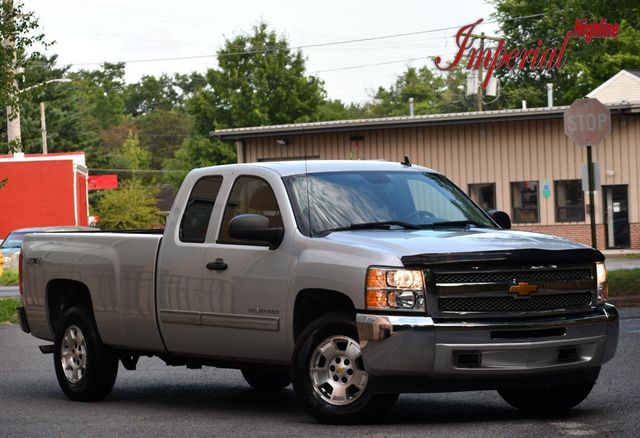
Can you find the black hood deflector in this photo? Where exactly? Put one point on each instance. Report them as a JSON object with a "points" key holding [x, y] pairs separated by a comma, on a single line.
{"points": [[508, 258]]}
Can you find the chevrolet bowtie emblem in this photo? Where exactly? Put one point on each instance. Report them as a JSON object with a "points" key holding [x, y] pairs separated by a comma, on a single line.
{"points": [[523, 288]]}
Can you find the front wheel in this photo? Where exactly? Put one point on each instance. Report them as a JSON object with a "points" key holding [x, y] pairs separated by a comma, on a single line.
{"points": [[329, 376], [86, 369], [547, 399]]}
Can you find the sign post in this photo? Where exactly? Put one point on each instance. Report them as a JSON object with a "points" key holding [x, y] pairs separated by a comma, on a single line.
{"points": [[587, 122]]}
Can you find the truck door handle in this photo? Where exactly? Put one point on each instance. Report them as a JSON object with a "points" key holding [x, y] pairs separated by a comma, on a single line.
{"points": [[217, 265]]}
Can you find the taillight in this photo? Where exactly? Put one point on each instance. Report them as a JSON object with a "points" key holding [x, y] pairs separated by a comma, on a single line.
{"points": [[20, 275]]}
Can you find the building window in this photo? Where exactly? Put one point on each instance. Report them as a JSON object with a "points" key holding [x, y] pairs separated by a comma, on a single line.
{"points": [[484, 195], [569, 201], [524, 201]]}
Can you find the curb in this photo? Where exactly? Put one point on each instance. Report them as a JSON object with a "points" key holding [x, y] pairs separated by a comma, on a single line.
{"points": [[625, 301]]}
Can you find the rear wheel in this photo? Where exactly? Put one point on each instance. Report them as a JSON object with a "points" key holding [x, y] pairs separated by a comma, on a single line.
{"points": [[547, 399], [329, 376], [86, 369], [267, 379]]}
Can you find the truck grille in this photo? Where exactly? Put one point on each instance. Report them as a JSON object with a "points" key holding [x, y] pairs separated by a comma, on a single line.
{"points": [[571, 301], [525, 291], [508, 276]]}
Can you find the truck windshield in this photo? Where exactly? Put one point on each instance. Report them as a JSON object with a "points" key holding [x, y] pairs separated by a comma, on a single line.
{"points": [[336, 201]]}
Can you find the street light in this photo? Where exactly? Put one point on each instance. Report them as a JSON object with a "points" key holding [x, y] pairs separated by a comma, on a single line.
{"points": [[13, 125]]}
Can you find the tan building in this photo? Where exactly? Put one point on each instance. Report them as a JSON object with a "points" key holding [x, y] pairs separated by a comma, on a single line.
{"points": [[518, 161]]}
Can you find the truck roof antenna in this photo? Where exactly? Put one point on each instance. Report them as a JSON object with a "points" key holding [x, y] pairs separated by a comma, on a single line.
{"points": [[406, 162]]}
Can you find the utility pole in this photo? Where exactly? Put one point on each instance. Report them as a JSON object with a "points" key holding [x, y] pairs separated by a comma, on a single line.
{"points": [[43, 129], [479, 89], [13, 113], [43, 120]]}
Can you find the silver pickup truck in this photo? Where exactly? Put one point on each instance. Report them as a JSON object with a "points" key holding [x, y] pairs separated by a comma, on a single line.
{"points": [[353, 280]]}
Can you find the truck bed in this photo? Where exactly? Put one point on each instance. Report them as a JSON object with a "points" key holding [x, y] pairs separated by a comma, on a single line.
{"points": [[116, 267]]}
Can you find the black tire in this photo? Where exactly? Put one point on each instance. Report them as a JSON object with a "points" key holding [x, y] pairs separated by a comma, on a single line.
{"points": [[548, 399], [365, 406], [267, 379], [91, 368]]}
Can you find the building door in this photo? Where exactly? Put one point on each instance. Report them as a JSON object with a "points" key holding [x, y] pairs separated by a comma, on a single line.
{"points": [[616, 216]]}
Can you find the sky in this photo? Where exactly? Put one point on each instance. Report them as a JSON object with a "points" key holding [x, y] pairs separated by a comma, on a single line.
{"points": [[90, 32]]}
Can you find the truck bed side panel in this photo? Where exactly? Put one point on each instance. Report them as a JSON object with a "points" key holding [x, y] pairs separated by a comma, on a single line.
{"points": [[118, 271]]}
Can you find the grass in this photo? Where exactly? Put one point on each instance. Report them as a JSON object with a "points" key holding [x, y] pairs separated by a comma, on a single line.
{"points": [[624, 282], [9, 278], [623, 256], [8, 310]]}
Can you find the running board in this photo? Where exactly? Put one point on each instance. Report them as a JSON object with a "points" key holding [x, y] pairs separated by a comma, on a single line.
{"points": [[46, 349]]}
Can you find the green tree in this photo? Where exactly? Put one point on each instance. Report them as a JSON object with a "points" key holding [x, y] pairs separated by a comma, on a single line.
{"points": [[65, 129], [100, 94], [150, 94], [131, 206], [162, 132], [588, 64], [259, 81], [196, 152], [422, 84], [331, 109], [18, 31], [432, 91], [137, 157], [99, 102]]}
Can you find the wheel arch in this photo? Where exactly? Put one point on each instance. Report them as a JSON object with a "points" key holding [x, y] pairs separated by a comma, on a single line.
{"points": [[62, 294], [313, 303]]}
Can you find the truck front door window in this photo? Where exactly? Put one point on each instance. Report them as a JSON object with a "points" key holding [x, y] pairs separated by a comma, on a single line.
{"points": [[249, 195]]}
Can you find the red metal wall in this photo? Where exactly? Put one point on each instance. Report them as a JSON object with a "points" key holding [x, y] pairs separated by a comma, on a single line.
{"points": [[81, 190], [39, 193]]}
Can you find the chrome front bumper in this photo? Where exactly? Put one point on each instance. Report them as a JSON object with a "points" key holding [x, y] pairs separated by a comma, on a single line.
{"points": [[398, 346]]}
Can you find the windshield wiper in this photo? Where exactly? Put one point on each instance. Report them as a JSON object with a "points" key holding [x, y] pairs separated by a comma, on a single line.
{"points": [[455, 224], [383, 225]]}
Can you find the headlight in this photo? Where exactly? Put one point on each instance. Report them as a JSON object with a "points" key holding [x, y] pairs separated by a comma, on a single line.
{"points": [[395, 289], [602, 285]]}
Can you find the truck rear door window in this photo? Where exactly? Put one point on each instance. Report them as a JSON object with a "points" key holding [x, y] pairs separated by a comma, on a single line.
{"points": [[197, 214]]}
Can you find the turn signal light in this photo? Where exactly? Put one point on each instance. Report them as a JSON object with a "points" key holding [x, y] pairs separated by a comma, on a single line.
{"points": [[395, 289]]}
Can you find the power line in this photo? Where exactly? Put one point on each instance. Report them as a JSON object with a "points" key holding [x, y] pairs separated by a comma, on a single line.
{"points": [[353, 67], [138, 170], [305, 46]]}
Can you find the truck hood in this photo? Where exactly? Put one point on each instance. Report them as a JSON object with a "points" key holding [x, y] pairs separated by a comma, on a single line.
{"points": [[447, 246]]}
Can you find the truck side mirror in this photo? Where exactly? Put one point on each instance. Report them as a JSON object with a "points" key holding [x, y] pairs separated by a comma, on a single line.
{"points": [[501, 218], [257, 228]]}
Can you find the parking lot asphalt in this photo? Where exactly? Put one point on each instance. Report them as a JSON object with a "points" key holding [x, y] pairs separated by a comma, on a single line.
{"points": [[160, 401]]}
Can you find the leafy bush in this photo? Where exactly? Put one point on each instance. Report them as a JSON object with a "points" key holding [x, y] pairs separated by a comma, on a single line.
{"points": [[8, 310], [131, 206], [624, 282], [9, 278]]}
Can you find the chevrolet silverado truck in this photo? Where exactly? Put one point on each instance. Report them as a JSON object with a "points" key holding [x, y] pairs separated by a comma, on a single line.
{"points": [[353, 280]]}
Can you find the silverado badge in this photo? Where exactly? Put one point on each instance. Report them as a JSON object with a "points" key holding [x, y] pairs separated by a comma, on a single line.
{"points": [[522, 288]]}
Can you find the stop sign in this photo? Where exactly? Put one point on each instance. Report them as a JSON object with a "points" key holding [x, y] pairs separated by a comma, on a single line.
{"points": [[587, 122]]}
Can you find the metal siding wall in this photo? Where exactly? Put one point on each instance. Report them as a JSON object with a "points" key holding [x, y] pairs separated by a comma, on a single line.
{"points": [[634, 165], [500, 152]]}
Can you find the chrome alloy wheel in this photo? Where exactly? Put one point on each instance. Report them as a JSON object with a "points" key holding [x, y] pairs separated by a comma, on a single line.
{"points": [[337, 372], [73, 354]]}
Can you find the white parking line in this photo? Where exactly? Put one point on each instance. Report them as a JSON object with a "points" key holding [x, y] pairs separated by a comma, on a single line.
{"points": [[574, 429]]}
